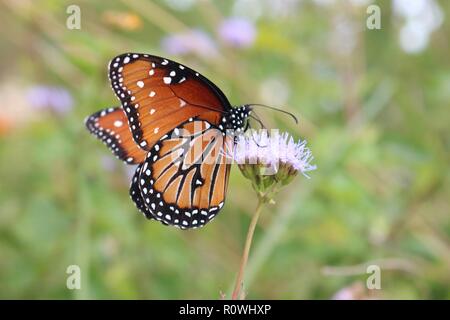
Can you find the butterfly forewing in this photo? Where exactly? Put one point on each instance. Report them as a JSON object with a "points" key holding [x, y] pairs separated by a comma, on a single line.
{"points": [[111, 126], [158, 95], [184, 179]]}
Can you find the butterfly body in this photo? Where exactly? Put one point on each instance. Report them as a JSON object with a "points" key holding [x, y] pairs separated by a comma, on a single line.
{"points": [[236, 119], [179, 128]]}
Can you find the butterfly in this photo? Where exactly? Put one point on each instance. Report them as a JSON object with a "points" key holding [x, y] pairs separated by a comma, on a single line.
{"points": [[179, 128]]}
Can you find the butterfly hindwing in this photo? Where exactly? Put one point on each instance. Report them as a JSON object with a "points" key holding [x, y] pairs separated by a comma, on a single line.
{"points": [[111, 126], [184, 178], [158, 95], [135, 194]]}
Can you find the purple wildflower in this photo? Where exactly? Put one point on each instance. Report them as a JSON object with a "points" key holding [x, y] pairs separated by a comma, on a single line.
{"points": [[237, 32], [56, 99], [274, 150], [272, 160], [190, 42]]}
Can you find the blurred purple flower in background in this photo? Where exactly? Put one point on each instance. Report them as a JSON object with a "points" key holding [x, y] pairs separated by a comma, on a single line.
{"points": [[193, 41], [108, 163], [129, 172], [237, 32], [52, 98], [356, 291]]}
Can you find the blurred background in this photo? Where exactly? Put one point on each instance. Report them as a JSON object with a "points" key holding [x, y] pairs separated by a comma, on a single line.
{"points": [[373, 105]]}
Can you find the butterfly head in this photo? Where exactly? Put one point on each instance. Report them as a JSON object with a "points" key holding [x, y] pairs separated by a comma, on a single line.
{"points": [[236, 118]]}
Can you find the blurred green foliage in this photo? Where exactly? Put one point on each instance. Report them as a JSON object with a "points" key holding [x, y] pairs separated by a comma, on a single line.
{"points": [[376, 118]]}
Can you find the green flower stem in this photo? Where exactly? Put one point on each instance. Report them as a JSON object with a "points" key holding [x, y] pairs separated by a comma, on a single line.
{"points": [[248, 243]]}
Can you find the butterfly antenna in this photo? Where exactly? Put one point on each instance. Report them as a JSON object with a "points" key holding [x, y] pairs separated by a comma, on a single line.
{"points": [[273, 108], [256, 142], [259, 121]]}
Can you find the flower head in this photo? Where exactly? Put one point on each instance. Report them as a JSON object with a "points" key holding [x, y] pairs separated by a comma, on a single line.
{"points": [[237, 32], [271, 160]]}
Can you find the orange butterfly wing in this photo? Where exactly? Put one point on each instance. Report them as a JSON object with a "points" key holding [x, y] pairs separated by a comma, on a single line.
{"points": [[111, 126], [158, 95]]}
